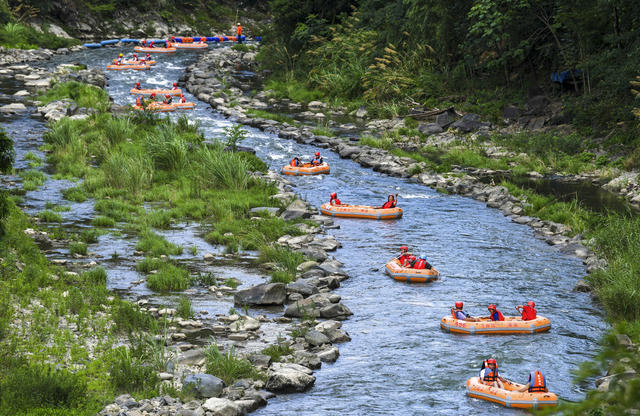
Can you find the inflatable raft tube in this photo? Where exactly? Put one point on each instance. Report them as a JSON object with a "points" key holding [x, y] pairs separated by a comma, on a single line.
{"points": [[154, 50], [508, 396], [213, 39], [405, 274], [510, 325], [189, 45], [360, 211], [109, 42], [92, 45], [128, 67], [127, 40], [184, 106], [305, 169], [138, 62], [148, 91], [157, 108]]}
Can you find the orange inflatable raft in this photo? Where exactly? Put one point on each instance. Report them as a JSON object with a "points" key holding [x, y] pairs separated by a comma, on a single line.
{"points": [[138, 62], [157, 108], [510, 325], [404, 274], [178, 45], [305, 169], [184, 106], [509, 396], [149, 91], [360, 211], [154, 50], [126, 67]]}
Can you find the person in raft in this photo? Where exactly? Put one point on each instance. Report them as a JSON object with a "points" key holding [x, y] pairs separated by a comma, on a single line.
{"points": [[334, 199], [151, 44], [137, 86], [119, 61], [494, 313], [410, 261], [167, 99], [175, 86], [422, 263], [317, 159], [148, 57], [404, 254], [528, 311], [536, 384], [295, 162], [182, 99], [239, 32], [489, 374], [135, 57], [391, 202], [140, 101], [462, 315]]}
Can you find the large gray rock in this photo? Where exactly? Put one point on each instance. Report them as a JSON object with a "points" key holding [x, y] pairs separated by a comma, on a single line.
{"points": [[203, 385], [511, 113], [329, 355], [468, 123], [309, 307], [332, 267], [345, 151], [297, 209], [262, 294], [430, 128], [335, 310], [222, 407], [314, 253], [537, 104], [316, 338], [290, 378], [191, 357], [303, 287], [444, 119], [13, 108]]}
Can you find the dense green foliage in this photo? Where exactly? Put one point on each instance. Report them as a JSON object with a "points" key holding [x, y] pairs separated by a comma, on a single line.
{"points": [[16, 35], [84, 95]]}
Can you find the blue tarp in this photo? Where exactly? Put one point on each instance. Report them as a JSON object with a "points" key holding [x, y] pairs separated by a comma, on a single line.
{"points": [[565, 76]]}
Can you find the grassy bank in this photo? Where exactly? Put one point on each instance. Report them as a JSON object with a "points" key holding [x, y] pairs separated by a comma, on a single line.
{"points": [[19, 36]]}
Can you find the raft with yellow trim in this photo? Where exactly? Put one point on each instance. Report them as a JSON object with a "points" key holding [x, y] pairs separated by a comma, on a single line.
{"points": [[184, 106], [509, 396], [178, 45], [157, 108], [128, 67], [138, 62], [405, 274], [154, 50], [510, 325], [305, 169], [149, 91], [360, 211]]}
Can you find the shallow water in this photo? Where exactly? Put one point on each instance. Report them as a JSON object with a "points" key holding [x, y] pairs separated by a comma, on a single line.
{"points": [[399, 361]]}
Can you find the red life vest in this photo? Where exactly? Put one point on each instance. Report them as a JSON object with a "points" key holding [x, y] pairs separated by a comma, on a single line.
{"points": [[409, 261], [139, 101], [500, 316], [528, 313], [420, 264], [389, 204], [293, 162], [183, 100], [537, 383], [402, 258], [335, 201]]}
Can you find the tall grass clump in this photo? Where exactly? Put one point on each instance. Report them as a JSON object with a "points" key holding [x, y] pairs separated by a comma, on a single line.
{"points": [[84, 95], [155, 245], [118, 129], [184, 308], [128, 318], [130, 172], [286, 262], [168, 150], [32, 179], [228, 366], [618, 241], [169, 278], [218, 168], [130, 373]]}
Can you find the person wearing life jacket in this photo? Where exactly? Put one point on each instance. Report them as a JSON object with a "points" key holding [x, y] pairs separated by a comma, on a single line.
{"points": [[528, 311], [495, 314], [537, 383], [391, 202], [148, 57], [458, 313], [139, 102], [317, 159], [410, 262], [175, 86], [404, 254], [239, 32], [135, 57], [295, 162], [182, 99], [422, 263], [489, 374], [151, 44], [334, 199], [167, 99], [137, 86]]}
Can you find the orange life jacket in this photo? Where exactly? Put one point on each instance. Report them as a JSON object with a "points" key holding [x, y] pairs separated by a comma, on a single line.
{"points": [[139, 101], [537, 383], [293, 162], [389, 204], [239, 30]]}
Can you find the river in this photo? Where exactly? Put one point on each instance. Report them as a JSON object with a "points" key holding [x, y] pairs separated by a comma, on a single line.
{"points": [[399, 362]]}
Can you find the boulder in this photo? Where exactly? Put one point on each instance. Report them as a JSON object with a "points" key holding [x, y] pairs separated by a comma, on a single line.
{"points": [[290, 378], [537, 104], [335, 310], [332, 267], [316, 338], [346, 151], [329, 355], [13, 108], [430, 128], [307, 359], [582, 286], [468, 123], [314, 253], [362, 112], [316, 105], [303, 287], [203, 385], [221, 407], [296, 209], [445, 119], [191, 357], [246, 323], [262, 294], [511, 113], [337, 335]]}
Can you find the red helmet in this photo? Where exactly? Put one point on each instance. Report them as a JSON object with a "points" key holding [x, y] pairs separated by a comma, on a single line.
{"points": [[137, 83], [459, 305], [531, 303], [167, 95], [148, 54], [135, 54], [404, 248], [181, 95], [317, 153], [492, 307], [334, 195], [153, 94], [175, 84], [492, 361]]}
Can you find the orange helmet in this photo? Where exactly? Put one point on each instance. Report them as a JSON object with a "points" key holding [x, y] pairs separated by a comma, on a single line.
{"points": [[492, 361], [135, 54], [175, 84], [459, 305]]}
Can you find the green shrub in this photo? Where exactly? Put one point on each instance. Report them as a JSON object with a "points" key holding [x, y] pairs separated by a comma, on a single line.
{"points": [[89, 235], [49, 216], [129, 373], [75, 301], [74, 194], [85, 95], [169, 278], [128, 172], [95, 277], [102, 221], [229, 367], [155, 245], [184, 307], [221, 169], [32, 179], [277, 351], [78, 247], [37, 385], [129, 318]]}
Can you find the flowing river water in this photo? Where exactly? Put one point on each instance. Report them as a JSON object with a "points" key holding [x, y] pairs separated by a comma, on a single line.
{"points": [[399, 362]]}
